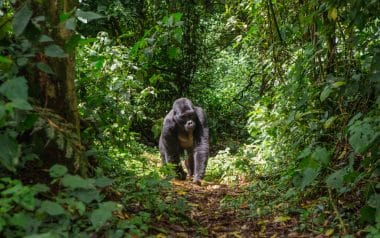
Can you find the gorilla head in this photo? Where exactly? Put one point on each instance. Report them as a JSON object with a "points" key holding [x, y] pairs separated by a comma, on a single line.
{"points": [[184, 115], [185, 128]]}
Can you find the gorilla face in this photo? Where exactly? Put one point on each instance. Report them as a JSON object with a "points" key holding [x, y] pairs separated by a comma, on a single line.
{"points": [[186, 121], [184, 115]]}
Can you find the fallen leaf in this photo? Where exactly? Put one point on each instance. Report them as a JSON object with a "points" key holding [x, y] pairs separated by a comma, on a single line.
{"points": [[329, 232], [236, 234], [282, 219], [181, 192]]}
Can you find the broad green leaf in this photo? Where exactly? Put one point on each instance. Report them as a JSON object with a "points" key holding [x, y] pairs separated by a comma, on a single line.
{"points": [[22, 61], [75, 181], [87, 196], [5, 60], [40, 188], [321, 155], [325, 93], [52, 208], [304, 153], [362, 135], [310, 162], [77, 206], [374, 201], [28, 122], [21, 19], [70, 24], [64, 16], [21, 220], [86, 17], [57, 170], [173, 52], [45, 38], [101, 215], [27, 199], [15, 88], [54, 51], [308, 176], [367, 214], [10, 151], [336, 179], [21, 104], [177, 16], [44, 68], [103, 182], [355, 118]]}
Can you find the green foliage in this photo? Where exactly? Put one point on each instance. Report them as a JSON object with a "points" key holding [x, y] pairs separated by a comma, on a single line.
{"points": [[24, 212], [365, 133]]}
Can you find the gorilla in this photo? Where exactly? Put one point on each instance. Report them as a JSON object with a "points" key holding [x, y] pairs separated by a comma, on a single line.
{"points": [[185, 128]]}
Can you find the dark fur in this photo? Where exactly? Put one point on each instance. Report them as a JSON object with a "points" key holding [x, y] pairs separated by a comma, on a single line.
{"points": [[185, 128]]}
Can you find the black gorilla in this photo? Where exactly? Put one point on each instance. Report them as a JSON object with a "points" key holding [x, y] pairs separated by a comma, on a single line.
{"points": [[185, 128]]}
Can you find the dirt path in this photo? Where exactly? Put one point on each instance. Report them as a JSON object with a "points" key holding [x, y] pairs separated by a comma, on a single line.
{"points": [[211, 220]]}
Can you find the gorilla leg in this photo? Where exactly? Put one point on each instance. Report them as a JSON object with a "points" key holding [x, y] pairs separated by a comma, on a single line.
{"points": [[200, 163], [170, 153], [190, 163]]}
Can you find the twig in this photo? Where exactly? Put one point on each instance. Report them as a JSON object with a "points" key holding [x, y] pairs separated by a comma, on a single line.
{"points": [[342, 224]]}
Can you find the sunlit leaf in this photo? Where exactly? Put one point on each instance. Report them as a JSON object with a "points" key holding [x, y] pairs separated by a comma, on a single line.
{"points": [[325, 93], [329, 232], [282, 219], [86, 17], [5, 60], [333, 13], [338, 84], [329, 122]]}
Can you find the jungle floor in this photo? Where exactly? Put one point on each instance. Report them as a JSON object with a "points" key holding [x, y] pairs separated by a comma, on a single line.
{"points": [[209, 219]]}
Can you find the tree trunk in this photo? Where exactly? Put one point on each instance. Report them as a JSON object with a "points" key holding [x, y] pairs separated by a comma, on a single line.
{"points": [[56, 93]]}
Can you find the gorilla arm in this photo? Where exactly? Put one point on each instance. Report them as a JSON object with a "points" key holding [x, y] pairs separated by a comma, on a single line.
{"points": [[169, 145], [201, 148]]}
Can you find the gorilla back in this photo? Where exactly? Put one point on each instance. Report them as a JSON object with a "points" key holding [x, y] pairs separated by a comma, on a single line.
{"points": [[185, 128]]}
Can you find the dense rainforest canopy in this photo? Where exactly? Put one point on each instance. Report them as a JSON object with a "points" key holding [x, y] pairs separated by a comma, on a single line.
{"points": [[291, 90]]}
